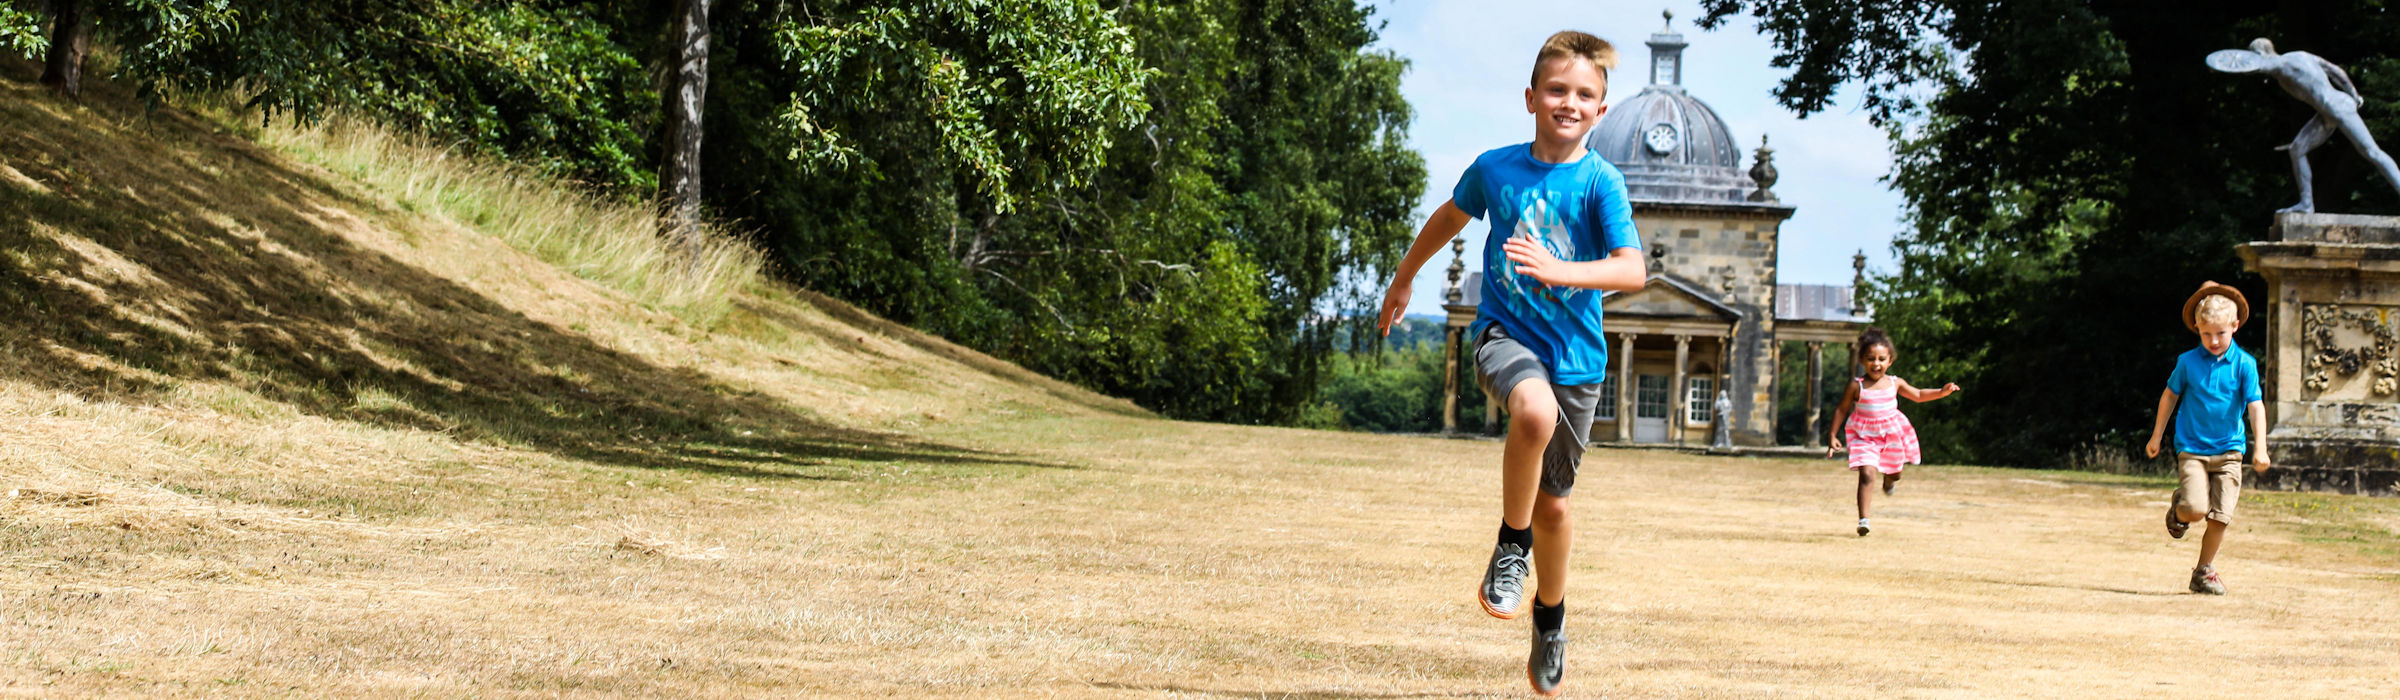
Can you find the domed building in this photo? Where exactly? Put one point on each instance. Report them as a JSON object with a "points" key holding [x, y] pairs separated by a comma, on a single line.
{"points": [[1712, 317]]}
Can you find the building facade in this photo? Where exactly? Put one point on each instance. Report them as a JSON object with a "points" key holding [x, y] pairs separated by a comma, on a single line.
{"points": [[1712, 317]]}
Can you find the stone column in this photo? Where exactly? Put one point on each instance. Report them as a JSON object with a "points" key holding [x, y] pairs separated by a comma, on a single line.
{"points": [[1491, 415], [2332, 309], [1815, 392], [1450, 337], [1676, 390], [1625, 387]]}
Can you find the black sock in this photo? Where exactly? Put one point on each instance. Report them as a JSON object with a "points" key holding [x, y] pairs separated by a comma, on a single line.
{"points": [[1549, 617], [1521, 538]]}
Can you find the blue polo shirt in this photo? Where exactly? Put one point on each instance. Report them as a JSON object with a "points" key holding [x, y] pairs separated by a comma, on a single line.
{"points": [[2213, 394]]}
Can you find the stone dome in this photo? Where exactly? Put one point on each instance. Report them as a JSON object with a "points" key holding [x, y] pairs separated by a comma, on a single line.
{"points": [[1669, 144]]}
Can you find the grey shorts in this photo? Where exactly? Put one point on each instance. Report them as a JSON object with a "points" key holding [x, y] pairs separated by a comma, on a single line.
{"points": [[1502, 364]]}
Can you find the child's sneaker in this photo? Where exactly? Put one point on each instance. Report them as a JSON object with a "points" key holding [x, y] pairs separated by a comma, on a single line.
{"points": [[1503, 591], [1548, 664], [1888, 482], [2175, 525], [1862, 527], [2204, 580]]}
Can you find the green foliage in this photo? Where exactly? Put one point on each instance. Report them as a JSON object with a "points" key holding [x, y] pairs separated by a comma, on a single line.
{"points": [[1395, 392], [1015, 94], [2073, 171], [1319, 178], [1791, 397], [1159, 199], [1396, 388], [558, 85], [21, 30], [1149, 201]]}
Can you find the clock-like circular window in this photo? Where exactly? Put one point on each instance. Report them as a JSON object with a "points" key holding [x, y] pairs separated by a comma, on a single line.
{"points": [[1662, 138]]}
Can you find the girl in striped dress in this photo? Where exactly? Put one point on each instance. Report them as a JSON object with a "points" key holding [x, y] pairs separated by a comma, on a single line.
{"points": [[1869, 420]]}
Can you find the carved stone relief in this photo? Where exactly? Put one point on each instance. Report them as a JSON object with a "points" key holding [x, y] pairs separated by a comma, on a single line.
{"points": [[2350, 351]]}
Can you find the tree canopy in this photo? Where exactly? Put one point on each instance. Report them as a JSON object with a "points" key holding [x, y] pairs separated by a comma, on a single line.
{"points": [[1160, 199], [2073, 171]]}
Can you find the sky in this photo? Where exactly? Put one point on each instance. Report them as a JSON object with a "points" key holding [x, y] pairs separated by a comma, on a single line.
{"points": [[1468, 65]]}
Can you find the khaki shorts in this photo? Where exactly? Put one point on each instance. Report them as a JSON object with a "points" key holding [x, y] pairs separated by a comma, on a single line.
{"points": [[2218, 477]]}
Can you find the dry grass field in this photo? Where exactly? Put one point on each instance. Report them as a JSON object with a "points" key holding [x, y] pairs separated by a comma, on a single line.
{"points": [[270, 429]]}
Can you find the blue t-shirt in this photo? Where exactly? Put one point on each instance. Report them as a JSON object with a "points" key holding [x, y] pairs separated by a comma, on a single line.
{"points": [[1580, 211], [2214, 394]]}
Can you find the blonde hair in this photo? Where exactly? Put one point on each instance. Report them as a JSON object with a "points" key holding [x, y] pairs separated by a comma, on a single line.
{"points": [[1602, 54], [2215, 308]]}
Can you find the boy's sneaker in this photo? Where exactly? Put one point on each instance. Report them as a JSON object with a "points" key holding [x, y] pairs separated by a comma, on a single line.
{"points": [[1548, 663], [1503, 591], [2204, 580], [2175, 525], [1862, 527]]}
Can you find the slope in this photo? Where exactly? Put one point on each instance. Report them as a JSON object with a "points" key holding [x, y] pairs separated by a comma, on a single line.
{"points": [[269, 429]]}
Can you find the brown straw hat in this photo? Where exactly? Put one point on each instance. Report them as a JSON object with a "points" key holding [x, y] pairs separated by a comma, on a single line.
{"points": [[2191, 307]]}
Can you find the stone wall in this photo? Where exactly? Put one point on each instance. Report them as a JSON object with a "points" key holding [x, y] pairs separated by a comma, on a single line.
{"points": [[2331, 367], [1729, 250]]}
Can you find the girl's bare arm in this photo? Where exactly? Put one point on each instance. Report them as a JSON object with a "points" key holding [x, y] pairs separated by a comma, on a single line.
{"points": [[1841, 415], [1923, 395]]}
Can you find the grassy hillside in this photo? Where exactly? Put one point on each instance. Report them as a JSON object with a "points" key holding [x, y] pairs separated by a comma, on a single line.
{"points": [[334, 416], [220, 358]]}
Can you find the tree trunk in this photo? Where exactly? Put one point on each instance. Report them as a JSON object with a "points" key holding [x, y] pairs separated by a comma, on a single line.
{"points": [[70, 35], [983, 238], [679, 171]]}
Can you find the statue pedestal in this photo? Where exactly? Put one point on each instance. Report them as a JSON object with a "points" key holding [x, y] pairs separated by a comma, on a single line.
{"points": [[2331, 369]]}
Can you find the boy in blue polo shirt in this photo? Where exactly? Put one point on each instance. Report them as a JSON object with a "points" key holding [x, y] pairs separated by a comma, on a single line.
{"points": [[2214, 387], [1561, 232]]}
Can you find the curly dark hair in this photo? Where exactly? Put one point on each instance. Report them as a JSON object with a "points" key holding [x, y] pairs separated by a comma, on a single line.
{"points": [[1873, 337]]}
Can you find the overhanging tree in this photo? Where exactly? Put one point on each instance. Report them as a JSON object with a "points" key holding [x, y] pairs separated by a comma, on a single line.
{"points": [[1158, 199], [2072, 171]]}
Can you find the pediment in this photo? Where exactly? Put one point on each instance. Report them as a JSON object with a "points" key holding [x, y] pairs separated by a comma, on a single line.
{"points": [[1668, 297]]}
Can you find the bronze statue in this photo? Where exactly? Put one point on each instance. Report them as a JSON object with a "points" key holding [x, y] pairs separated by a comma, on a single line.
{"points": [[2315, 81]]}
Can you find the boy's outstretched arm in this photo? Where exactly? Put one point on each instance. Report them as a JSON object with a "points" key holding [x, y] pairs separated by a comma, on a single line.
{"points": [[2258, 432], [1445, 223], [1624, 270], [1923, 395], [2166, 408]]}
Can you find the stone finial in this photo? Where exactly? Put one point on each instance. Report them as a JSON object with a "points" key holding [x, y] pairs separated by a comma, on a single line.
{"points": [[1670, 15], [1458, 267], [1858, 283], [1763, 172]]}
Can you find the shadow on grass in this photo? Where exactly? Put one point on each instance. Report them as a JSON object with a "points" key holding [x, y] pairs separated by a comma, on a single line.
{"points": [[857, 323], [2075, 587], [1286, 695], [155, 251]]}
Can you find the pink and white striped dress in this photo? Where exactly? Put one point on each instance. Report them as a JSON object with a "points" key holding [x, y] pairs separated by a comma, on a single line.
{"points": [[1879, 435]]}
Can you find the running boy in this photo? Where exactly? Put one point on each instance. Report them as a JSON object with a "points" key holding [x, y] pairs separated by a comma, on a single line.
{"points": [[1561, 231], [2213, 388]]}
